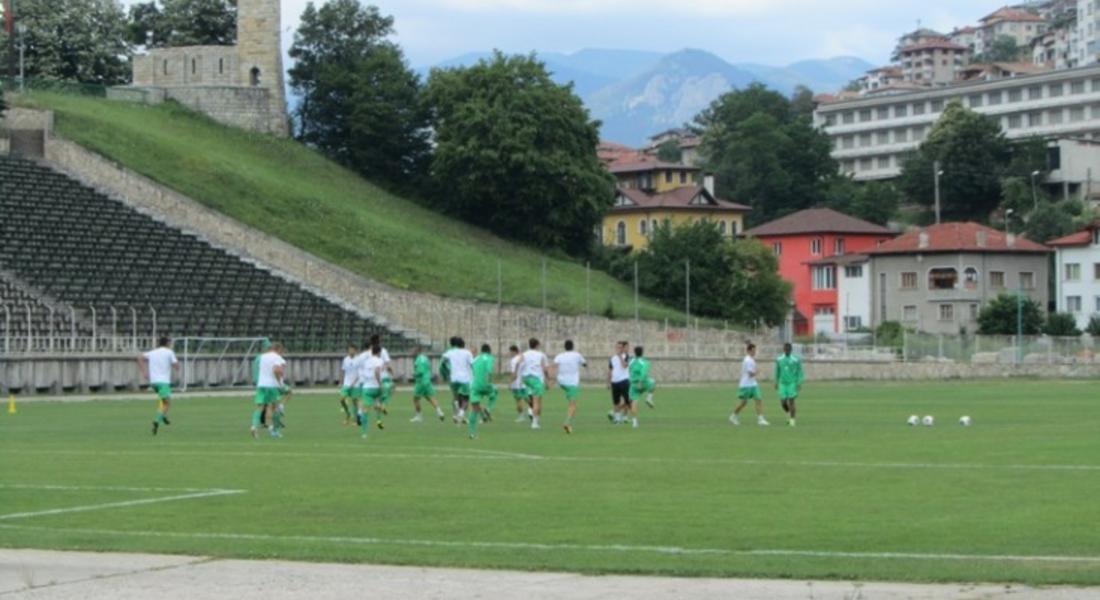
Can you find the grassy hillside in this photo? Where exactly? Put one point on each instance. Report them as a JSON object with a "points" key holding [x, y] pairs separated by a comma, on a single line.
{"points": [[297, 195]]}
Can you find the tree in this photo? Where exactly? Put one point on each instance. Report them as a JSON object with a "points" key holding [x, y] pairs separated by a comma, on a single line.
{"points": [[1093, 328], [75, 40], [872, 201], [516, 153], [999, 317], [1061, 325], [802, 102], [183, 23], [765, 154], [669, 151], [1051, 221], [973, 155], [1003, 49], [361, 105], [736, 280]]}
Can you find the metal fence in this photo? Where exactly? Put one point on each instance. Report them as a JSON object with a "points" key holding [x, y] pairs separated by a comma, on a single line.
{"points": [[983, 349], [30, 328]]}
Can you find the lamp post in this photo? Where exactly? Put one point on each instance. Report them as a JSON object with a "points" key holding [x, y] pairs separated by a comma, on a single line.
{"points": [[1034, 190], [1019, 300], [937, 172], [21, 29]]}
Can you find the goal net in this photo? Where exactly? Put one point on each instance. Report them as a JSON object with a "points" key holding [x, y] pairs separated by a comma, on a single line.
{"points": [[216, 362]]}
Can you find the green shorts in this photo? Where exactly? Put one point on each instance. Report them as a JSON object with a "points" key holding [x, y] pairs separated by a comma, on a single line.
{"points": [[571, 391], [460, 389], [749, 393], [368, 396], [788, 391], [387, 389], [423, 389], [520, 394], [346, 392], [267, 395], [487, 393], [640, 388], [163, 390], [535, 386]]}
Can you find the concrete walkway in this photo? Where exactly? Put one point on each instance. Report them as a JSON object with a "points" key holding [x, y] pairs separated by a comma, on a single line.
{"points": [[42, 575]]}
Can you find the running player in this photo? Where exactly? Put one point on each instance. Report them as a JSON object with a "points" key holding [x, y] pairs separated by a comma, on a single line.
{"points": [[481, 389], [156, 366], [533, 366], [383, 403], [749, 389], [788, 381], [567, 367], [618, 379], [519, 392], [459, 363], [347, 396], [269, 386], [641, 384], [422, 385], [369, 381]]}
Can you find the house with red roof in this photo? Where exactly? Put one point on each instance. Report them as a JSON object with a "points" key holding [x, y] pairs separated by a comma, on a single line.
{"points": [[1077, 274], [822, 253], [938, 278]]}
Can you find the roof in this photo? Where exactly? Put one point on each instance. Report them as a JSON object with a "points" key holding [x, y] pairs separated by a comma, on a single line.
{"points": [[958, 237], [642, 166], [941, 44], [887, 69], [1011, 14], [842, 260], [1080, 238], [964, 30], [677, 198], [817, 220]]}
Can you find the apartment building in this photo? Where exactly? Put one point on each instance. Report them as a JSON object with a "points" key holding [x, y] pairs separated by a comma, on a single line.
{"points": [[873, 135], [1077, 274], [1019, 24], [1088, 32], [932, 62]]}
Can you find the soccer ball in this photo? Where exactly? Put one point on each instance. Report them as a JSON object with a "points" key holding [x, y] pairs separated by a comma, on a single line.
{"points": [[928, 421], [964, 421], [913, 421]]}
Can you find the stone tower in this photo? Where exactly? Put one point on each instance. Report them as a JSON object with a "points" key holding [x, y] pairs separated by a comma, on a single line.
{"points": [[260, 53]]}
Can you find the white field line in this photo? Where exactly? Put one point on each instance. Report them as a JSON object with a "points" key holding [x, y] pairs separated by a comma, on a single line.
{"points": [[120, 504], [105, 488], [668, 550], [469, 454]]}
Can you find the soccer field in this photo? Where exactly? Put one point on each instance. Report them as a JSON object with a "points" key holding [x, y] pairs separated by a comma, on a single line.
{"points": [[852, 492]]}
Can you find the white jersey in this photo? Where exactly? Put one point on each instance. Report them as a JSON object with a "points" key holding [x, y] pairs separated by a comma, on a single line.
{"points": [[348, 367], [385, 356], [513, 368], [462, 365], [619, 368], [160, 364], [569, 367], [748, 372], [533, 365], [370, 370], [268, 361]]}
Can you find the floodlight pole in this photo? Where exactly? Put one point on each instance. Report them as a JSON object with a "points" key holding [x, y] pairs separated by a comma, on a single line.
{"points": [[21, 29]]}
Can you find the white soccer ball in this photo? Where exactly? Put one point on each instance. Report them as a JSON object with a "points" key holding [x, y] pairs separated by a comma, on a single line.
{"points": [[913, 421], [964, 421], [928, 421]]}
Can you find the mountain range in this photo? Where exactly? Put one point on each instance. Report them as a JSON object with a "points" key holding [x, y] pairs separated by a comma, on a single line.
{"points": [[636, 93]]}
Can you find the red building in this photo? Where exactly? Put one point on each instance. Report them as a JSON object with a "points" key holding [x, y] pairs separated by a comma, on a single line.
{"points": [[811, 246]]}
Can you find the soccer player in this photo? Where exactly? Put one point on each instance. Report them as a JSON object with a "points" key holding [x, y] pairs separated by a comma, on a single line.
{"points": [[269, 386], [422, 385], [618, 379], [788, 381], [641, 384], [387, 380], [369, 379], [533, 366], [749, 389], [481, 389], [347, 395], [519, 391], [156, 366], [459, 363], [567, 366]]}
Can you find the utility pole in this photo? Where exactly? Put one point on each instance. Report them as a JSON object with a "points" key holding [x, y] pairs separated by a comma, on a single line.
{"points": [[936, 173], [687, 293], [22, 30], [1034, 190]]}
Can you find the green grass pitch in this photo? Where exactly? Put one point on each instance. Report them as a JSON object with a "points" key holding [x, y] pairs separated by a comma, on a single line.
{"points": [[852, 492]]}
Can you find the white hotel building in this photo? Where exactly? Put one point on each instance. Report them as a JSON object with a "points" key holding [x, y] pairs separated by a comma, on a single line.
{"points": [[872, 135]]}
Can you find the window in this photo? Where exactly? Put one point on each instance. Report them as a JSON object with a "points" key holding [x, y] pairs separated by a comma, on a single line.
{"points": [[1097, 304], [1035, 92], [853, 272], [1073, 304], [1015, 121], [643, 227], [973, 312], [221, 66], [620, 233], [164, 67], [997, 280], [882, 138], [838, 247], [865, 164], [849, 118], [970, 278], [653, 225], [1027, 280], [1076, 114], [777, 248], [901, 135], [1077, 87], [909, 313], [901, 110], [943, 279], [1056, 90], [865, 140], [1015, 95], [815, 247], [1096, 85], [908, 281], [1054, 116], [937, 106], [193, 66], [848, 142], [851, 323], [918, 108], [883, 113], [683, 177], [830, 120], [1095, 112], [864, 115], [1096, 237], [733, 228], [1035, 119], [1096, 271], [947, 312], [1073, 272], [974, 100], [254, 77], [668, 176], [995, 97], [884, 162], [824, 278], [722, 227]]}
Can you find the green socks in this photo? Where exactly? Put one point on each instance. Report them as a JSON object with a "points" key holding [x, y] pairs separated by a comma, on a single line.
{"points": [[472, 419], [256, 414], [364, 424]]}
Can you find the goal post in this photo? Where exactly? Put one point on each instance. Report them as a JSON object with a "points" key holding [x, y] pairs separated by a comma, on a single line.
{"points": [[219, 362]]}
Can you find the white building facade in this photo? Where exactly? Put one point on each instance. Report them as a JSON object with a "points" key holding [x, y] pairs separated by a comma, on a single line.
{"points": [[1077, 274], [854, 293]]}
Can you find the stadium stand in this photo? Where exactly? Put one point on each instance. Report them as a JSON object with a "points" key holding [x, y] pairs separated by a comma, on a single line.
{"points": [[72, 245]]}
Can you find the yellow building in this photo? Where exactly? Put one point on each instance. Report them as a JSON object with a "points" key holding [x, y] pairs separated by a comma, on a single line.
{"points": [[649, 194]]}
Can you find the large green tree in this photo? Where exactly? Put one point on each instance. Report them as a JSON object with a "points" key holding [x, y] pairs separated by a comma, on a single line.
{"points": [[1000, 316], [75, 40], [736, 280], [360, 104], [183, 23], [765, 152], [516, 153], [873, 201], [1003, 49]]}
